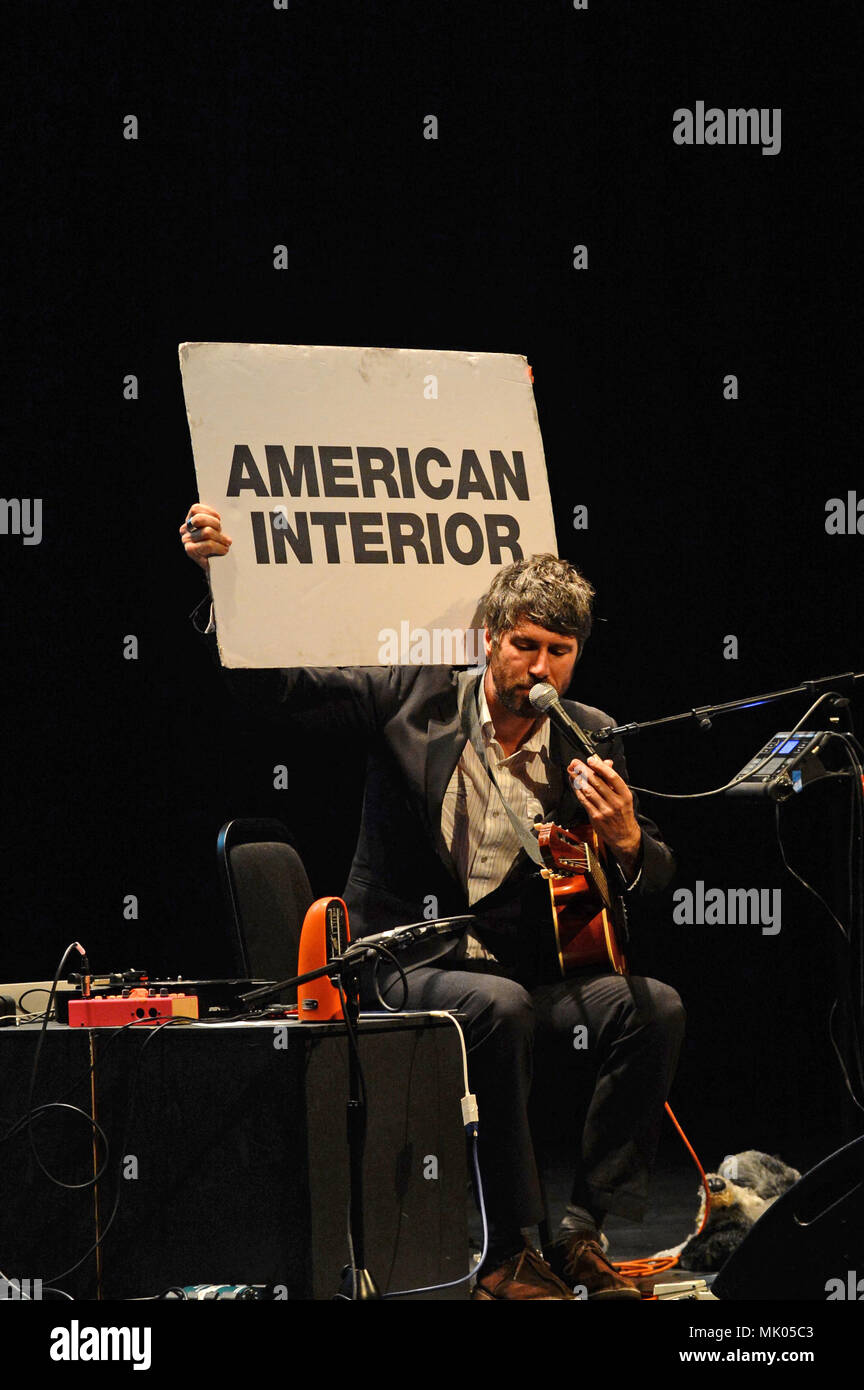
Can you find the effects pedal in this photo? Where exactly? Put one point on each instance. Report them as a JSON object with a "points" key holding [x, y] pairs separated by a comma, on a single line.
{"points": [[784, 766], [140, 1006], [684, 1291]]}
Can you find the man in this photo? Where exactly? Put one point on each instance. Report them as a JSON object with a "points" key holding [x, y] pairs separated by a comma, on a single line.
{"points": [[447, 749]]}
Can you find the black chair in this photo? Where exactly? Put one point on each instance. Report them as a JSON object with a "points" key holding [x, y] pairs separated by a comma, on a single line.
{"points": [[268, 894]]}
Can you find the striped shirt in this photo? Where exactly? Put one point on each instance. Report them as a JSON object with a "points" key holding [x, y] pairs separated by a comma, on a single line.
{"points": [[475, 827]]}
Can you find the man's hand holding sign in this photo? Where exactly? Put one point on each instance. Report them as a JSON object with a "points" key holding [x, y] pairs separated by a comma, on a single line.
{"points": [[202, 535]]}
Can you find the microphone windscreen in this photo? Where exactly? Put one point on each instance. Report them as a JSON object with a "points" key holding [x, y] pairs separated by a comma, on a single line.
{"points": [[542, 696]]}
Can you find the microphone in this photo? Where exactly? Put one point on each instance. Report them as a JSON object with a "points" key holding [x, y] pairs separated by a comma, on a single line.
{"points": [[544, 699]]}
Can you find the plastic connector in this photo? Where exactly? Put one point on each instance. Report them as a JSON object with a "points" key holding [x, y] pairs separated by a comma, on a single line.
{"points": [[470, 1115]]}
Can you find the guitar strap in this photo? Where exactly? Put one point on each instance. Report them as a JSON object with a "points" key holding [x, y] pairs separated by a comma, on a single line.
{"points": [[470, 720]]}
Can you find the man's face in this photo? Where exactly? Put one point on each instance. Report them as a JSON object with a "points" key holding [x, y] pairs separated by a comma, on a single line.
{"points": [[529, 655]]}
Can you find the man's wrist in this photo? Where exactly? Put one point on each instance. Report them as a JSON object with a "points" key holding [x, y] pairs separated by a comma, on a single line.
{"points": [[628, 856]]}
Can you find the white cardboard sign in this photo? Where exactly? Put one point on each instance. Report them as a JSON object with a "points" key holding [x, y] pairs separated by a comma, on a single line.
{"points": [[370, 494]]}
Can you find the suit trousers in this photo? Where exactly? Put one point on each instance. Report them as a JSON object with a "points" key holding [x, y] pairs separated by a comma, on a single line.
{"points": [[619, 1034]]}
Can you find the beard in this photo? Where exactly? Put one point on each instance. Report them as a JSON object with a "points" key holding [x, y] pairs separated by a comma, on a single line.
{"points": [[513, 695]]}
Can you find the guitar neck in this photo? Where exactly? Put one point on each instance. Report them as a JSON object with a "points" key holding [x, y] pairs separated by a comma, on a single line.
{"points": [[598, 874]]}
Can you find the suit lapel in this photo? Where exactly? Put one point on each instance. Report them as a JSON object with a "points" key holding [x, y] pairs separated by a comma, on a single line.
{"points": [[445, 741]]}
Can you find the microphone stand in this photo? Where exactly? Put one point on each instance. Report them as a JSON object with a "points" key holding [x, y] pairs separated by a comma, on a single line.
{"points": [[704, 714], [840, 688], [357, 1284]]}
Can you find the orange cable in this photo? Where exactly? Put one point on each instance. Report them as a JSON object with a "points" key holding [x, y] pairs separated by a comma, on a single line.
{"points": [[636, 1269]]}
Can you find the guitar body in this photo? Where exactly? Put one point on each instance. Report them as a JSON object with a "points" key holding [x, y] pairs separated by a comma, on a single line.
{"points": [[589, 925]]}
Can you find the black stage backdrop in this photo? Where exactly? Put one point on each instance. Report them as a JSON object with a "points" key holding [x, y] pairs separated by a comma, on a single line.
{"points": [[303, 125]]}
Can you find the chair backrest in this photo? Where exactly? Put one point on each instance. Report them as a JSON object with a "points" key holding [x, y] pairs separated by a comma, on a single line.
{"points": [[268, 894]]}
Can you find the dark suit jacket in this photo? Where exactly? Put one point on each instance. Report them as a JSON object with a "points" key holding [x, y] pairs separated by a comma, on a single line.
{"points": [[410, 718]]}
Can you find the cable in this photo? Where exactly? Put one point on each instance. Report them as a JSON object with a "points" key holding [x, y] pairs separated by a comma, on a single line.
{"points": [[444, 1013], [851, 1002], [357, 950], [28, 1298], [33, 1111], [34, 989], [154, 1029], [388, 955], [658, 1264], [839, 1055], [359, 1120], [22, 1297], [27, 1123], [138, 1023], [82, 1081], [470, 1117], [464, 1278], [803, 882]]}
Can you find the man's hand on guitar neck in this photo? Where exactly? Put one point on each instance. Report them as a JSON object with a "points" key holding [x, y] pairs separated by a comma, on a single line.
{"points": [[608, 802]]}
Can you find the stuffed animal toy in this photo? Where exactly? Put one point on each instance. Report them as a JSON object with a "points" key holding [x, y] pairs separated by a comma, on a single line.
{"points": [[744, 1186]]}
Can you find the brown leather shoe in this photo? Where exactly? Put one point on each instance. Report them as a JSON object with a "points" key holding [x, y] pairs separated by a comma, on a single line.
{"points": [[580, 1261], [524, 1276]]}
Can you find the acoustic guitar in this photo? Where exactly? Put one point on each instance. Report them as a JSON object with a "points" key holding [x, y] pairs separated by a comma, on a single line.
{"points": [[589, 920]]}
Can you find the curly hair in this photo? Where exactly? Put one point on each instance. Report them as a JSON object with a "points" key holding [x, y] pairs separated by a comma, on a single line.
{"points": [[543, 590]]}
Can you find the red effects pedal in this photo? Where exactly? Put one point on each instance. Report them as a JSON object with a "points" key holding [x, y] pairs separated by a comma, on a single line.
{"points": [[133, 1006]]}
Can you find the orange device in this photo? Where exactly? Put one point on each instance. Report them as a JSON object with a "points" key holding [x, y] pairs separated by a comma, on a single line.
{"points": [[135, 1006], [325, 934]]}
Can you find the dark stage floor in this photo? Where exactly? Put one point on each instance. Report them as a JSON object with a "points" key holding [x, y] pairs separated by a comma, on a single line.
{"points": [[670, 1220]]}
